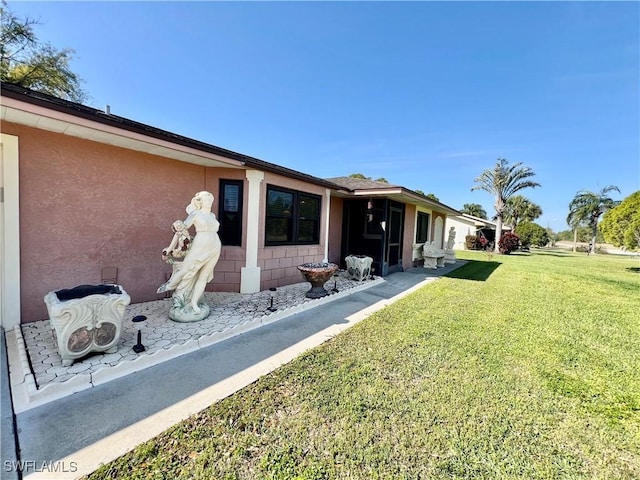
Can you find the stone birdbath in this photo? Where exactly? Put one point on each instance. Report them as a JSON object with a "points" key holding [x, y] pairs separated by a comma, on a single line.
{"points": [[317, 274]]}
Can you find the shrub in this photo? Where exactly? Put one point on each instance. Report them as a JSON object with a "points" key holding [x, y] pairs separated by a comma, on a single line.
{"points": [[508, 243], [621, 225], [470, 242], [532, 234]]}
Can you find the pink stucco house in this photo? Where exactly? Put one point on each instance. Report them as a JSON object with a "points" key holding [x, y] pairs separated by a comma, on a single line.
{"points": [[85, 192]]}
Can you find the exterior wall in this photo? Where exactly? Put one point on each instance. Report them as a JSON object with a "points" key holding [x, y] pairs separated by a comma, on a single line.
{"points": [[438, 235], [279, 264], [408, 235], [462, 228], [335, 230], [85, 206]]}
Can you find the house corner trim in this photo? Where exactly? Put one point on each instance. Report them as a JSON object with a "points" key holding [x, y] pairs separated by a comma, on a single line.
{"points": [[9, 233]]}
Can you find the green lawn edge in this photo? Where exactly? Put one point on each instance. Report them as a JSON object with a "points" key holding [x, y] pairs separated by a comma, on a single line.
{"points": [[513, 366]]}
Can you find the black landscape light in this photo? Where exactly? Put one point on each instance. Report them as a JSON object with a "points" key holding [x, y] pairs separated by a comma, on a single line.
{"points": [[271, 308], [139, 347]]}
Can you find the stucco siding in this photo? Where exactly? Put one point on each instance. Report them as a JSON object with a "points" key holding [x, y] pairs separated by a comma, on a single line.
{"points": [[86, 205]]}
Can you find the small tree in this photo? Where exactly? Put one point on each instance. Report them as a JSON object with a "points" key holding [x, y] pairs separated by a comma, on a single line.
{"points": [[532, 234], [520, 208], [587, 208], [621, 225], [431, 196], [27, 62], [362, 176], [508, 243], [474, 209]]}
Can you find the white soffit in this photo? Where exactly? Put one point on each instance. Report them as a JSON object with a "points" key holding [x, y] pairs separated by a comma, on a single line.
{"points": [[100, 133]]}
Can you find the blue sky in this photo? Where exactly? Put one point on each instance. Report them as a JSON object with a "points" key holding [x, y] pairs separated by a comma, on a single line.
{"points": [[424, 94]]}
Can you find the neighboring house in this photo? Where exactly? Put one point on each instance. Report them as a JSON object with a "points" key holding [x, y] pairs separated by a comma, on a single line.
{"points": [[85, 192], [469, 225]]}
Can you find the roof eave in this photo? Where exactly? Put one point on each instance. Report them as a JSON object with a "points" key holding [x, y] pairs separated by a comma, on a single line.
{"points": [[406, 195], [84, 112]]}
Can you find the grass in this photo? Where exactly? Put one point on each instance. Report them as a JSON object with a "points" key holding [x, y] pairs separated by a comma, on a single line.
{"points": [[520, 366]]}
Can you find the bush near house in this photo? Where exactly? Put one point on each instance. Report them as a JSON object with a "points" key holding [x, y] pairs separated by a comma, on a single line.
{"points": [[477, 242], [532, 234], [508, 243], [471, 242], [621, 225]]}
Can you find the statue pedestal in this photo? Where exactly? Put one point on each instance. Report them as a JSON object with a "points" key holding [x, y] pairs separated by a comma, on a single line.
{"points": [[449, 256], [187, 315], [86, 318]]}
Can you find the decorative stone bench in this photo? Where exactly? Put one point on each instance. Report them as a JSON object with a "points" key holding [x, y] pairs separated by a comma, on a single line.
{"points": [[358, 267], [433, 258], [86, 318]]}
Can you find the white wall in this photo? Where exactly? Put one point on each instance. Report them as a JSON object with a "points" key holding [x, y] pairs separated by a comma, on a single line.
{"points": [[462, 228]]}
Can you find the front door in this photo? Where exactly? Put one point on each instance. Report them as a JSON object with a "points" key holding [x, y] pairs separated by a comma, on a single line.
{"points": [[393, 253]]}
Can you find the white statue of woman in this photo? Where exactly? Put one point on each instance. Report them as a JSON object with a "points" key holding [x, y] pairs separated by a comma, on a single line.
{"points": [[452, 238], [191, 278]]}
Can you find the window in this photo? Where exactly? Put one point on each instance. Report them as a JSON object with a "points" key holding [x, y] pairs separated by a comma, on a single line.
{"points": [[422, 227], [230, 212], [292, 217]]}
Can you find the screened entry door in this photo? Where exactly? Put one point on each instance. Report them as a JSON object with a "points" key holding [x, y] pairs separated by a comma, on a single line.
{"points": [[394, 239]]}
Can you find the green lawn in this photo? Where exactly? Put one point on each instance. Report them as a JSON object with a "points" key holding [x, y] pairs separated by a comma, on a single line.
{"points": [[519, 366]]}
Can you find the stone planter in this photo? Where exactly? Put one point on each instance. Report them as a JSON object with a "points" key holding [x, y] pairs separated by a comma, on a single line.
{"points": [[86, 318], [317, 274], [358, 266]]}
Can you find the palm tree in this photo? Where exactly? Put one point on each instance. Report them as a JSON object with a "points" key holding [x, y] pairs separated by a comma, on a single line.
{"points": [[474, 209], [520, 208], [587, 207], [574, 222], [502, 181]]}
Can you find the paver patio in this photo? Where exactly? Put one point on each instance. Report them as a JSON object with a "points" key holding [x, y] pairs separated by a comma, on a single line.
{"points": [[38, 376]]}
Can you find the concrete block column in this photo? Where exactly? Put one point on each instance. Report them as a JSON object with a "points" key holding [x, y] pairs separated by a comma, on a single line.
{"points": [[250, 273]]}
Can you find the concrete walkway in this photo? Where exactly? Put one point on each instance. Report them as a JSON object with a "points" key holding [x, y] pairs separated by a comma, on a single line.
{"points": [[72, 436]]}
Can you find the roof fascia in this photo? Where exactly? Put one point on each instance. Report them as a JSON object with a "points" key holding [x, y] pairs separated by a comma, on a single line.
{"points": [[37, 116], [24, 99], [409, 196]]}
